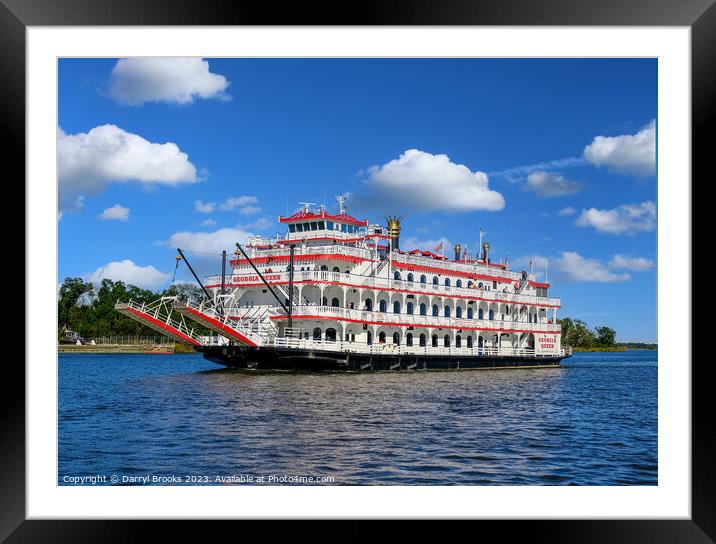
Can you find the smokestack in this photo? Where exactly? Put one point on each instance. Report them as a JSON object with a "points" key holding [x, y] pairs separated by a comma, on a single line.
{"points": [[394, 231], [457, 251], [486, 252]]}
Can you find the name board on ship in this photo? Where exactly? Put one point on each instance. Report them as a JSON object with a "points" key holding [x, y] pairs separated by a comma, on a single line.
{"points": [[255, 278], [546, 342]]}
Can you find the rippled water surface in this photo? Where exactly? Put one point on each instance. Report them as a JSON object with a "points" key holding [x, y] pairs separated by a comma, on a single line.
{"points": [[592, 422]]}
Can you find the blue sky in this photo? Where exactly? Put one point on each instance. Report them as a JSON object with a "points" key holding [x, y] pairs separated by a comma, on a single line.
{"points": [[440, 141]]}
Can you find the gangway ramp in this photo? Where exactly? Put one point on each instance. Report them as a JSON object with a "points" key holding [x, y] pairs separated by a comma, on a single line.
{"points": [[158, 316], [214, 320]]}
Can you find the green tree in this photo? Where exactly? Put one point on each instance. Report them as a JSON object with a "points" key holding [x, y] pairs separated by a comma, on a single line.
{"points": [[575, 333], [70, 292], [605, 336]]}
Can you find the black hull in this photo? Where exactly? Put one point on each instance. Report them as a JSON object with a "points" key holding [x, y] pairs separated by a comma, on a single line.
{"points": [[302, 359]]}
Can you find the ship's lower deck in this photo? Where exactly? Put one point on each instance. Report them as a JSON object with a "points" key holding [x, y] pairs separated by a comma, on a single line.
{"points": [[274, 358]]}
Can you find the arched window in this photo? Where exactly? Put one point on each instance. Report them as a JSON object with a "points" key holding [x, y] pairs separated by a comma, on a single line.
{"points": [[446, 341], [470, 284], [330, 335], [480, 286], [324, 267], [435, 340], [410, 277], [423, 279], [469, 341], [436, 310], [447, 282], [409, 308], [381, 337], [369, 338], [396, 307], [423, 309], [336, 269], [480, 341], [288, 268], [458, 341], [491, 315], [409, 339], [458, 312], [368, 304], [435, 280], [469, 313], [324, 302], [383, 306], [316, 333], [396, 275], [458, 283], [480, 313], [447, 311], [422, 340], [396, 338], [334, 302]]}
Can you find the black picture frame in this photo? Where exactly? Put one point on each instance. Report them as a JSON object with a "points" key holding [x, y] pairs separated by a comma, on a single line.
{"points": [[16, 15]]}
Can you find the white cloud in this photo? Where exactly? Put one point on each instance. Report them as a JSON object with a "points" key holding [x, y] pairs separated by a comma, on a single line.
{"points": [[135, 81], [637, 264], [570, 266], [259, 224], [550, 184], [627, 154], [625, 219], [208, 223], [88, 162], [567, 211], [249, 210], [422, 181], [115, 213], [234, 202], [413, 242], [146, 277], [209, 242], [204, 207]]}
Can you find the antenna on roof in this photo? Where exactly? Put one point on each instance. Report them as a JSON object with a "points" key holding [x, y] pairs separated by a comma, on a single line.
{"points": [[307, 206], [342, 202]]}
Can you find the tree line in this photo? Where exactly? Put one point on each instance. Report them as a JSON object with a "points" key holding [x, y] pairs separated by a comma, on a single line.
{"points": [[576, 334], [88, 309]]}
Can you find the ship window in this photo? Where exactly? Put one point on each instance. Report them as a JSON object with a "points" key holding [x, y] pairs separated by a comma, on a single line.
{"points": [[409, 339], [325, 301], [383, 306], [480, 286], [436, 310], [480, 314], [409, 308], [314, 225], [435, 280], [423, 279], [368, 304], [458, 283], [447, 282], [423, 309], [470, 284], [435, 340], [330, 335], [381, 337], [343, 228], [369, 338], [469, 313], [422, 340], [458, 312], [396, 307], [446, 341], [321, 226], [396, 275], [491, 315], [336, 269], [334, 302], [410, 277], [329, 225], [316, 333], [292, 228], [447, 311], [458, 341], [396, 338], [469, 341], [324, 267], [299, 227], [494, 285]]}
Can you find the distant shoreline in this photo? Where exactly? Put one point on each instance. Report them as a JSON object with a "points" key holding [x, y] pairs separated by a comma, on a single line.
{"points": [[160, 349]]}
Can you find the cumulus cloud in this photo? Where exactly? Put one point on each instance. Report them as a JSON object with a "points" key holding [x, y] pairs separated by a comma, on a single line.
{"points": [[135, 81], [209, 242], [234, 202], [417, 180], [570, 266], [115, 213], [627, 154], [208, 223], [550, 184], [243, 202], [566, 211], [249, 210], [146, 277], [204, 207], [89, 161], [625, 219], [636, 264]]}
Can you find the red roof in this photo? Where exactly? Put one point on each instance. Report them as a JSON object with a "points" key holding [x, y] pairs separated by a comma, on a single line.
{"points": [[308, 216]]}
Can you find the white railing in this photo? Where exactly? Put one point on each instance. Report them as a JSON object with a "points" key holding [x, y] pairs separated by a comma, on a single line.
{"points": [[425, 321], [254, 323], [161, 310], [401, 349], [299, 251], [370, 282], [470, 268]]}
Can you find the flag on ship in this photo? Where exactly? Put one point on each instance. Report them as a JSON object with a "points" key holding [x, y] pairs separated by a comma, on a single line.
{"points": [[439, 247]]}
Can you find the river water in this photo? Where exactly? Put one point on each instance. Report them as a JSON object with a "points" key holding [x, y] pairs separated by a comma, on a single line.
{"points": [[178, 419]]}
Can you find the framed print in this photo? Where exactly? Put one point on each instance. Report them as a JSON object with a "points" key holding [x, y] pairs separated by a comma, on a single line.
{"points": [[422, 264]]}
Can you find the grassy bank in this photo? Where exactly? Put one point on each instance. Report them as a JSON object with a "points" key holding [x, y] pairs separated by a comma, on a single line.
{"points": [[611, 349], [116, 348]]}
